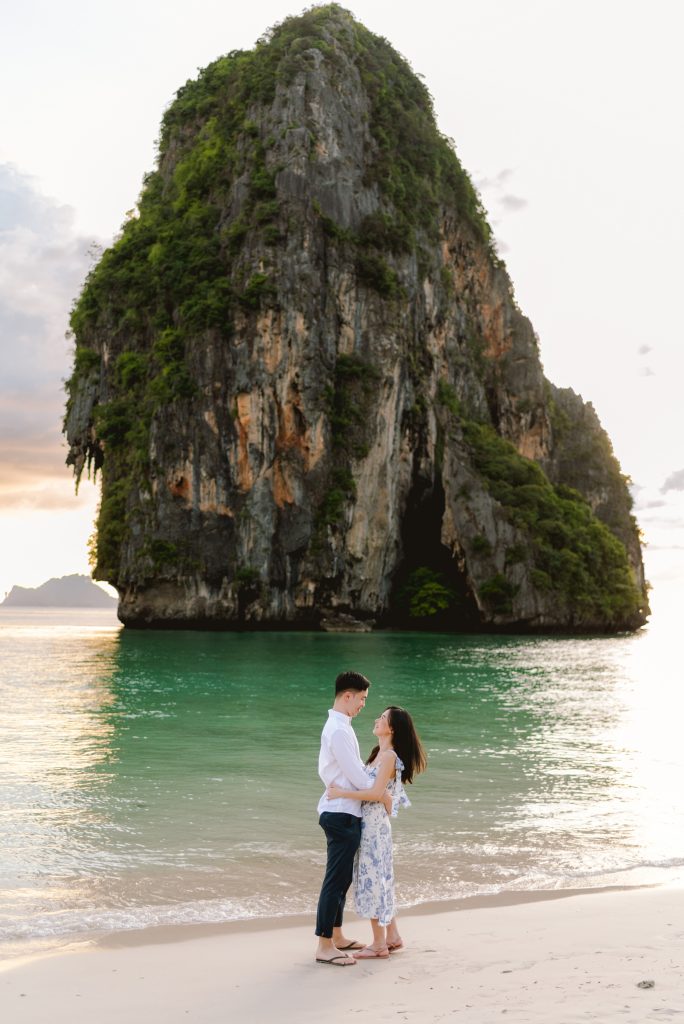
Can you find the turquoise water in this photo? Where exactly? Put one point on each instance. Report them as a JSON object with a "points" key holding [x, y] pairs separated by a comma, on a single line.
{"points": [[171, 777]]}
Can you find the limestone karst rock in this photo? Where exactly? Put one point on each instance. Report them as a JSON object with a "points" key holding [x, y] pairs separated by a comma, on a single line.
{"points": [[307, 386]]}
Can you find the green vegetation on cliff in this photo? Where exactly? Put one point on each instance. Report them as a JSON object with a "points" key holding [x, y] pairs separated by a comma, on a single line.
{"points": [[425, 594], [173, 265], [574, 553], [584, 453]]}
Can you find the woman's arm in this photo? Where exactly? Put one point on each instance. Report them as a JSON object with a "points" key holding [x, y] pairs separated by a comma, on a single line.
{"points": [[377, 790]]}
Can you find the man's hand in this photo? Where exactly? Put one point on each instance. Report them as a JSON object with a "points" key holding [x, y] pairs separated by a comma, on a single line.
{"points": [[387, 801]]}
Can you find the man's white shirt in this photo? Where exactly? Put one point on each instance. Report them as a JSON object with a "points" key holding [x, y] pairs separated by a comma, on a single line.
{"points": [[340, 764]]}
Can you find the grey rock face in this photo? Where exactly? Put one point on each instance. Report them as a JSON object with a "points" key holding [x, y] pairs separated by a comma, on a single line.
{"points": [[323, 454]]}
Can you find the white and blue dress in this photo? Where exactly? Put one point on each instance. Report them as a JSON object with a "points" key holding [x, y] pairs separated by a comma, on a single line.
{"points": [[373, 869]]}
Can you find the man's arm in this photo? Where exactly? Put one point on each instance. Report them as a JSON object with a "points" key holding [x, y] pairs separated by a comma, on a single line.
{"points": [[378, 789], [344, 750]]}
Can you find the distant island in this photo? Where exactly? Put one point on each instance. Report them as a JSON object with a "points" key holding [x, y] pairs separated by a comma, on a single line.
{"points": [[66, 592]]}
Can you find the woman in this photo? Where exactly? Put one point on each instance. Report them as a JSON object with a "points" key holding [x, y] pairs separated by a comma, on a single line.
{"points": [[396, 758]]}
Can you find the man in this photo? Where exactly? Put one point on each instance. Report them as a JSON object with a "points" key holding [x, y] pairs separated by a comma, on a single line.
{"points": [[340, 764]]}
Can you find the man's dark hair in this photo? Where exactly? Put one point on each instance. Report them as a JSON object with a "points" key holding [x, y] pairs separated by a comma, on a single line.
{"points": [[350, 681]]}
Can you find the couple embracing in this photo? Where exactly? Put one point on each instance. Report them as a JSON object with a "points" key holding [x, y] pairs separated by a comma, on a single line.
{"points": [[355, 815]]}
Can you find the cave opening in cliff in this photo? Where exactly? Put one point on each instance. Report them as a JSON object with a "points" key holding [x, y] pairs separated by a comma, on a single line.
{"points": [[430, 592]]}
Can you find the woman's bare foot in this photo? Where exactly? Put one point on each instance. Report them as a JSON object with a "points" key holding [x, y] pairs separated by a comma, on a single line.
{"points": [[372, 953], [394, 940]]}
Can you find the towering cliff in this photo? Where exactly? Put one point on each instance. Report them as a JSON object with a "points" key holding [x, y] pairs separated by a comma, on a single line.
{"points": [[306, 383]]}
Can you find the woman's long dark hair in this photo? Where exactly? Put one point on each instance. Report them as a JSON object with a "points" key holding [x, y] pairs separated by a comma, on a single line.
{"points": [[405, 742]]}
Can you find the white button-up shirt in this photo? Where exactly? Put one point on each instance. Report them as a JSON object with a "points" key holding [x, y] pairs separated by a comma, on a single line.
{"points": [[340, 764]]}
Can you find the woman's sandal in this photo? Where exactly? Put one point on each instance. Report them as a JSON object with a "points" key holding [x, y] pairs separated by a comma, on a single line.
{"points": [[392, 946], [367, 953]]}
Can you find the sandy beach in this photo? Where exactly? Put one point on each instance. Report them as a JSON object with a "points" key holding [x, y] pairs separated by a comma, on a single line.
{"points": [[575, 958]]}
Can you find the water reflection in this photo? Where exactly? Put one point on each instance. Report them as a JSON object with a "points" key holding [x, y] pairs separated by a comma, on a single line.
{"points": [[54, 689], [162, 776]]}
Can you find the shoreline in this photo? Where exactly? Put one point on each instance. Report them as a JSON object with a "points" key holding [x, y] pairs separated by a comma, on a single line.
{"points": [[559, 956], [166, 933], [163, 934]]}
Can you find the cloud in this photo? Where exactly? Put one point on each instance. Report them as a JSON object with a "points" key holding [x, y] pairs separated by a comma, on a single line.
{"points": [[496, 189], [497, 182], [33, 464], [512, 204], [670, 523], [43, 263], [508, 203], [51, 496], [674, 482], [499, 202], [643, 350]]}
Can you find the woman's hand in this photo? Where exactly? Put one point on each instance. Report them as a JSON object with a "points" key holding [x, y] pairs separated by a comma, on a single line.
{"points": [[332, 792]]}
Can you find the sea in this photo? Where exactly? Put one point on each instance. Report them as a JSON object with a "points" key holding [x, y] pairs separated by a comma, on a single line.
{"points": [[156, 778]]}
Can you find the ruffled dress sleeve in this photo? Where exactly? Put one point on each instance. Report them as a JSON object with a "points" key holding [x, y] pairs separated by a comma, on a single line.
{"points": [[399, 797]]}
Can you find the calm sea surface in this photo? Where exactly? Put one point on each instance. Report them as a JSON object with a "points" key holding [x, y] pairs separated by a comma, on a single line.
{"points": [[152, 778]]}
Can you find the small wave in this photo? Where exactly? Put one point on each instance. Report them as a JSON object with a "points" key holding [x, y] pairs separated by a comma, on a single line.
{"points": [[636, 874], [74, 923]]}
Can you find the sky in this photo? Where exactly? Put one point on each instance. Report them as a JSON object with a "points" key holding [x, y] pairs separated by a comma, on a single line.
{"points": [[567, 116]]}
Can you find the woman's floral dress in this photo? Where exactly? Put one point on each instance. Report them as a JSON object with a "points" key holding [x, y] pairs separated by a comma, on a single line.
{"points": [[373, 870]]}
